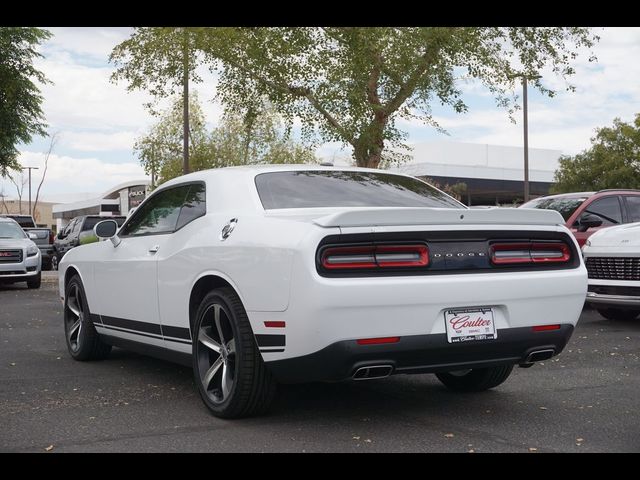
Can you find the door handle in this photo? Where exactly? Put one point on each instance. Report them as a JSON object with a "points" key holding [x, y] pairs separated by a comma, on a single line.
{"points": [[154, 249]]}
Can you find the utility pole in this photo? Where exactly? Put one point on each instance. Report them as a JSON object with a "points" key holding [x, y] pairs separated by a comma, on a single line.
{"points": [[525, 114], [526, 138], [30, 168]]}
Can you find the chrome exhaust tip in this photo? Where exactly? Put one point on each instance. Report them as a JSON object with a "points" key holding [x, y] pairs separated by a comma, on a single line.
{"points": [[539, 355], [372, 372]]}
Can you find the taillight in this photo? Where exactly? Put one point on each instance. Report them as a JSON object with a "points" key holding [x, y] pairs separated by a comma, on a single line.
{"points": [[51, 238], [375, 256], [505, 253]]}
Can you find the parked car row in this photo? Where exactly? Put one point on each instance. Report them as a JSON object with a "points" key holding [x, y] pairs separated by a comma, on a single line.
{"points": [[42, 237], [607, 227]]}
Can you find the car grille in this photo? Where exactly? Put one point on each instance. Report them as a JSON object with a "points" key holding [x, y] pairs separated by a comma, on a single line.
{"points": [[614, 268], [10, 256]]}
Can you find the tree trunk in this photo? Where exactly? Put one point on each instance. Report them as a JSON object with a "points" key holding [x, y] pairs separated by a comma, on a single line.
{"points": [[368, 147]]}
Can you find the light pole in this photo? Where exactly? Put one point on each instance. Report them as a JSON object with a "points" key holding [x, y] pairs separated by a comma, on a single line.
{"points": [[525, 114], [30, 168]]}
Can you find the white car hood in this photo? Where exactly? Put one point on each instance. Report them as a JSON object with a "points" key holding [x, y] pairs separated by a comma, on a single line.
{"points": [[627, 235], [10, 243]]}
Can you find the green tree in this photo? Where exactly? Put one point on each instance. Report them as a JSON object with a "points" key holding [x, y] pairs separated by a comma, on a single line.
{"points": [[613, 161], [352, 84], [21, 114], [253, 137]]}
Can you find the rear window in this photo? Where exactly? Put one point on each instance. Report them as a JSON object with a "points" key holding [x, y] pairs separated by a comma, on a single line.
{"points": [[565, 206], [335, 188], [23, 221]]}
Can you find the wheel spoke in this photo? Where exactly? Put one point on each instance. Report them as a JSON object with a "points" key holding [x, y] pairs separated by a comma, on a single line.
{"points": [[75, 328], [217, 318], [207, 341], [226, 381], [208, 376], [73, 303]]}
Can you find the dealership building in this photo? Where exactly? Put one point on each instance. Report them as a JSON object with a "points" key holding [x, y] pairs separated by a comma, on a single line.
{"points": [[115, 201], [493, 174]]}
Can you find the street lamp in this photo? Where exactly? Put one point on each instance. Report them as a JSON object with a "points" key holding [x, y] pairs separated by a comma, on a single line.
{"points": [[525, 77]]}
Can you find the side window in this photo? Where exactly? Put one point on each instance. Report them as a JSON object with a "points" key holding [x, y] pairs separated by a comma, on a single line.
{"points": [[633, 207], [76, 226], [68, 228], [194, 205], [608, 209], [157, 215]]}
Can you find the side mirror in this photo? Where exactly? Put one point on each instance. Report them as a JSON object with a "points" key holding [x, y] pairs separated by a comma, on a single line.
{"points": [[107, 229], [60, 235], [587, 221]]}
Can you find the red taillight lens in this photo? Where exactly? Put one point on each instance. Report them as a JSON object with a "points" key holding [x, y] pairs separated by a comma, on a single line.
{"points": [[375, 256], [51, 238], [545, 328], [378, 341], [529, 252]]}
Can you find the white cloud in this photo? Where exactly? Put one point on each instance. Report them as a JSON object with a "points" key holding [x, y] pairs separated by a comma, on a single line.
{"points": [[67, 174]]}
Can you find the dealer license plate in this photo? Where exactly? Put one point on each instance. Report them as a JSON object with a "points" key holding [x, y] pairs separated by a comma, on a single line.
{"points": [[469, 324]]}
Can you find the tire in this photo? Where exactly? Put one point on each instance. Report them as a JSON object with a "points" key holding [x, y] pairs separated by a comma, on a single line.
{"points": [[83, 341], [618, 314], [35, 283], [476, 380], [232, 379]]}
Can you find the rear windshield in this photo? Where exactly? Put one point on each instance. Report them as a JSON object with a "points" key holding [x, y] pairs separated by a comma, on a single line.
{"points": [[24, 221], [335, 188], [565, 206], [91, 222], [11, 230]]}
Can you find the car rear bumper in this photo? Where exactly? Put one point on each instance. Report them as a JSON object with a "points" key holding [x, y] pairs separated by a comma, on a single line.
{"points": [[422, 354]]}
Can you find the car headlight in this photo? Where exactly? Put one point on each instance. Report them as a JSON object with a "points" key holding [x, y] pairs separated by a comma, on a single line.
{"points": [[32, 250]]}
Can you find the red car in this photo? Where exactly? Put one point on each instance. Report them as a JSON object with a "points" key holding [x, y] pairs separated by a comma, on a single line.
{"points": [[588, 212]]}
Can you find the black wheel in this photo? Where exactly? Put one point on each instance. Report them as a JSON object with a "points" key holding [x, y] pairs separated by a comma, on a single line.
{"points": [[35, 282], [54, 261], [83, 342], [475, 380], [232, 379], [618, 313]]}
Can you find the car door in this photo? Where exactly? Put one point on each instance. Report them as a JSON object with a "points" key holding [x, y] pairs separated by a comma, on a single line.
{"points": [[126, 275], [607, 209], [176, 271]]}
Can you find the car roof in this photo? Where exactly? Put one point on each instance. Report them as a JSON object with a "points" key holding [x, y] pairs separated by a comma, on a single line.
{"points": [[610, 191], [7, 220]]}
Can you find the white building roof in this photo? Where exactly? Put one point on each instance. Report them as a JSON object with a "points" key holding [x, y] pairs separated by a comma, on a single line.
{"points": [[475, 160]]}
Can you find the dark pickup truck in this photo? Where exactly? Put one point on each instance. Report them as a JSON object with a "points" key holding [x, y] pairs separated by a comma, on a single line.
{"points": [[42, 237]]}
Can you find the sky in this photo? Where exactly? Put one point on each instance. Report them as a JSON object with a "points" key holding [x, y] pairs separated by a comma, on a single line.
{"points": [[97, 121]]}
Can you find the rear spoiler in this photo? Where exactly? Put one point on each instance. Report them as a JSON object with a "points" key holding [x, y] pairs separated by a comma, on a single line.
{"points": [[390, 216]]}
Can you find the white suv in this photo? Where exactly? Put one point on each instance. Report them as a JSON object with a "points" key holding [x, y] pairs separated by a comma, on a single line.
{"points": [[612, 257]]}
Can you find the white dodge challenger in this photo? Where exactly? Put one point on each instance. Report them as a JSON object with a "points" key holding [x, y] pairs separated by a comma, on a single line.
{"points": [[260, 275]]}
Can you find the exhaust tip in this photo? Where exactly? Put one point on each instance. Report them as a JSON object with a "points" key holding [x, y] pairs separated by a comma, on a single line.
{"points": [[539, 355], [372, 372]]}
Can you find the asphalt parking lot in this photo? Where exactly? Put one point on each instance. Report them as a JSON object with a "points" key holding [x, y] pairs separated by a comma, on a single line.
{"points": [[585, 400]]}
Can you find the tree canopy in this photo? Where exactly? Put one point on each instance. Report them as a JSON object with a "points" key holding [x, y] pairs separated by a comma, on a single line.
{"points": [[352, 85], [252, 137], [21, 114], [612, 161]]}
